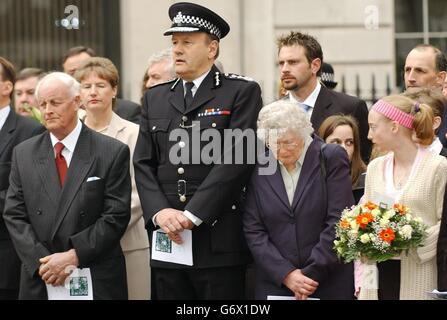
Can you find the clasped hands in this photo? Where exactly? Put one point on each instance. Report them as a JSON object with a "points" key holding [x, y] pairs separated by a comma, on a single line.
{"points": [[173, 222], [55, 268], [300, 285]]}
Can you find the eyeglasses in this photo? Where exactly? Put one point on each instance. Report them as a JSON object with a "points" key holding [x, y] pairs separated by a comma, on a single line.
{"points": [[287, 146]]}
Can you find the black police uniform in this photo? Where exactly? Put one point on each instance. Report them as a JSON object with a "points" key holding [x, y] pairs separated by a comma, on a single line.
{"points": [[211, 192]]}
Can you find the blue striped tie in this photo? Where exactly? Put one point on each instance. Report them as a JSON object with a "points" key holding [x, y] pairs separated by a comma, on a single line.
{"points": [[305, 107]]}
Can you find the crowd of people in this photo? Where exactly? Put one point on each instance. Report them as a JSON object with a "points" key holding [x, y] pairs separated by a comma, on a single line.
{"points": [[93, 182]]}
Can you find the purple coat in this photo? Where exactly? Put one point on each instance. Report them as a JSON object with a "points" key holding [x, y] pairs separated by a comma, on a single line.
{"points": [[282, 238]]}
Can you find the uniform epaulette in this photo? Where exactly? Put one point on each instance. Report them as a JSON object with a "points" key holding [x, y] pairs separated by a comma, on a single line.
{"points": [[233, 76], [166, 82]]}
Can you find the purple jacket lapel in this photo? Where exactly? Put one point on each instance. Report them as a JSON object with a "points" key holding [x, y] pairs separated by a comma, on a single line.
{"points": [[310, 167]]}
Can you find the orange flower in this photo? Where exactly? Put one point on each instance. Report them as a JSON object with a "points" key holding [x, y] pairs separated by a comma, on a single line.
{"points": [[400, 208], [344, 224], [370, 205], [387, 235], [364, 219]]}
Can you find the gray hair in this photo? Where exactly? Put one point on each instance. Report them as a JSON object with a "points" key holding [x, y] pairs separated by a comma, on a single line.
{"points": [[163, 55], [281, 116], [71, 83]]}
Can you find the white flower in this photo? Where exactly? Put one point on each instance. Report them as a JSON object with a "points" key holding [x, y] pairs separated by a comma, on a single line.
{"points": [[372, 237], [364, 238], [375, 212], [389, 214], [406, 231], [418, 220], [384, 222], [408, 217], [354, 225], [353, 233]]}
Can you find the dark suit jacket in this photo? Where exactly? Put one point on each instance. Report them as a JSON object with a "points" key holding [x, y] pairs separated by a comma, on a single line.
{"points": [[442, 130], [15, 130], [128, 110], [213, 191], [283, 238], [441, 254], [89, 216], [330, 103]]}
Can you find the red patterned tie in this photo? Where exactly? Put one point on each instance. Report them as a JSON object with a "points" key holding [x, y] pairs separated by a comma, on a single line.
{"points": [[61, 164]]}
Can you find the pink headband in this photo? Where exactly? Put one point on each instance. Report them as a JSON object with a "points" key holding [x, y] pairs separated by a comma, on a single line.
{"points": [[393, 113]]}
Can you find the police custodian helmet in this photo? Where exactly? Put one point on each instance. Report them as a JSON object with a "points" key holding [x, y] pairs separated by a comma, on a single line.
{"points": [[191, 17]]}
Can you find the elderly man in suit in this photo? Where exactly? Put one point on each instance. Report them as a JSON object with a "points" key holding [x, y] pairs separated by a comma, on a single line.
{"points": [[290, 215], [426, 67], [68, 203], [13, 130], [300, 58]]}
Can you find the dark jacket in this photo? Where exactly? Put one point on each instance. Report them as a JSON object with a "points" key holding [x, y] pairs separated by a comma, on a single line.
{"points": [[284, 237], [15, 130], [85, 214], [212, 190]]}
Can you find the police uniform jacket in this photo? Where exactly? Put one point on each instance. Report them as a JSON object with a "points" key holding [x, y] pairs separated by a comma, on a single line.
{"points": [[209, 190]]}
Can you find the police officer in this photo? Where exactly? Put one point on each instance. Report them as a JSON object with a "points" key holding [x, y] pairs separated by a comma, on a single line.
{"points": [[192, 192]]}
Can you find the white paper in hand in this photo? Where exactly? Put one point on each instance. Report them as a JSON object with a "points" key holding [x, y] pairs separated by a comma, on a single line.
{"points": [[163, 249], [78, 286], [439, 295]]}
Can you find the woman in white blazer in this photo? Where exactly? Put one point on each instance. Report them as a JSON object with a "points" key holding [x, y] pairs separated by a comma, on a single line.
{"points": [[99, 82]]}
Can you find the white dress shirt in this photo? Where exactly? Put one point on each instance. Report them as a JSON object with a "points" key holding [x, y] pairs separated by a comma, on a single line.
{"points": [[69, 142], [436, 146], [291, 179], [309, 101], [4, 113], [197, 82]]}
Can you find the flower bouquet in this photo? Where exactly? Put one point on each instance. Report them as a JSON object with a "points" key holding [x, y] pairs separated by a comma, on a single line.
{"points": [[373, 233]]}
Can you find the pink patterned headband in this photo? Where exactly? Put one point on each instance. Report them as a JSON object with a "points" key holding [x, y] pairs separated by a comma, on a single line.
{"points": [[394, 113]]}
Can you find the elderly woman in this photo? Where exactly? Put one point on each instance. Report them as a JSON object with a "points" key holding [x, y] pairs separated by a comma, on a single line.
{"points": [[99, 82], [290, 215]]}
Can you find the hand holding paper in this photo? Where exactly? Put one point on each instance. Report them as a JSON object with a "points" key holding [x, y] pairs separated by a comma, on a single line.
{"points": [[55, 268]]}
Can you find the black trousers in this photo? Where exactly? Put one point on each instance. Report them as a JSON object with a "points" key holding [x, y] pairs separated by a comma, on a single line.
{"points": [[225, 283], [9, 294], [389, 280]]}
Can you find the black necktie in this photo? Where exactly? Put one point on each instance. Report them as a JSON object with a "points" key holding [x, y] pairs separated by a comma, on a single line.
{"points": [[188, 95]]}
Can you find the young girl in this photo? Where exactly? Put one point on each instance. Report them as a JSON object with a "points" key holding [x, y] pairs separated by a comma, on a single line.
{"points": [[414, 177]]}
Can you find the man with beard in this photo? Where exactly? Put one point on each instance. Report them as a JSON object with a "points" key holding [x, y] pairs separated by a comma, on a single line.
{"points": [[300, 58]]}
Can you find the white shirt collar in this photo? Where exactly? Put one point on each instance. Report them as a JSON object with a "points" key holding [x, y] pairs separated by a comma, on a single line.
{"points": [[69, 141], [436, 146], [311, 99], [197, 82], [4, 113]]}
